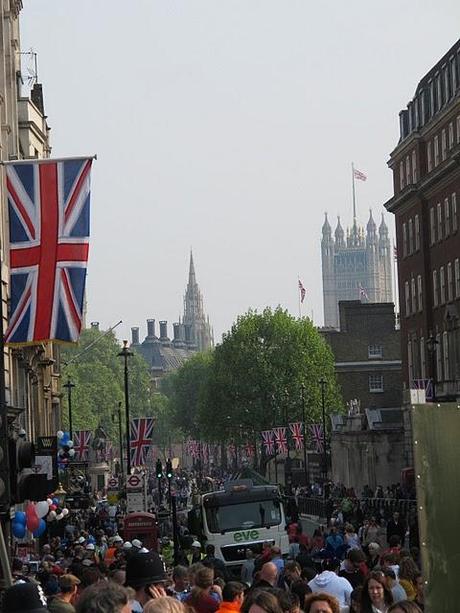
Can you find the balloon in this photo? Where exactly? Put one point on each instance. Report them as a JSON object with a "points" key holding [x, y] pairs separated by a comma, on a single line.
{"points": [[53, 507], [20, 518], [60, 434], [49, 501], [41, 528], [52, 515], [59, 517], [65, 512], [55, 500], [19, 530], [32, 519], [70, 444], [71, 452], [42, 508]]}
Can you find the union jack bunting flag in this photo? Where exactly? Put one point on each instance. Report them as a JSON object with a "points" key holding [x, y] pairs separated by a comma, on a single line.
{"points": [[48, 208], [359, 175], [140, 439], [317, 434], [81, 439], [280, 440], [296, 429], [268, 441], [249, 450]]}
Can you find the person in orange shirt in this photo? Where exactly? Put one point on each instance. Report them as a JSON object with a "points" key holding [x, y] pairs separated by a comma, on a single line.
{"points": [[232, 597]]}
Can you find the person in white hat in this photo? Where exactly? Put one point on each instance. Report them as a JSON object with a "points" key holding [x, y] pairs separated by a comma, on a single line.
{"points": [[195, 554], [137, 544], [127, 545]]}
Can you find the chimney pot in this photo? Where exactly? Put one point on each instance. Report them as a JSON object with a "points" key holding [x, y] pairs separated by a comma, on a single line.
{"points": [[95, 325], [150, 328], [164, 331], [135, 336]]}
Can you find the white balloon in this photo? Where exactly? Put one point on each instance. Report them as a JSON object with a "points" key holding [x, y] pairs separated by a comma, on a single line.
{"points": [[42, 508], [59, 517], [60, 434], [71, 452], [52, 515], [49, 501], [65, 512], [70, 444]]}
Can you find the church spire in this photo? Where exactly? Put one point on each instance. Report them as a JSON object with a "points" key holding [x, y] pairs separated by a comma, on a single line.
{"points": [[191, 270], [198, 329]]}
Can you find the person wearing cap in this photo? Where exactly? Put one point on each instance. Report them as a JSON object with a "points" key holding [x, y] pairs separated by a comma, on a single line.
{"points": [[145, 574], [24, 598], [111, 553], [195, 554], [62, 602], [137, 545]]}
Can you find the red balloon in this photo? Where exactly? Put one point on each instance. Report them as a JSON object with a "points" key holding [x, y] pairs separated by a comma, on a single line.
{"points": [[53, 507], [32, 519]]}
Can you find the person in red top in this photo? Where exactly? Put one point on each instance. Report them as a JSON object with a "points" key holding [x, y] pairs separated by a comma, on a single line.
{"points": [[200, 597], [232, 597]]}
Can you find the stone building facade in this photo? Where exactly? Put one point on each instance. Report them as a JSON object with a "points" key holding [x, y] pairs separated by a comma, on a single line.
{"points": [[32, 372], [367, 354], [426, 183], [358, 266]]}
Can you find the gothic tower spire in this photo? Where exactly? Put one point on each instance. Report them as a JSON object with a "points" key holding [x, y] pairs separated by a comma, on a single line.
{"points": [[197, 327]]}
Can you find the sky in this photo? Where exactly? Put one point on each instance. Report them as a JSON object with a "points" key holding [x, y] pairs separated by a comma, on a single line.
{"points": [[227, 127]]}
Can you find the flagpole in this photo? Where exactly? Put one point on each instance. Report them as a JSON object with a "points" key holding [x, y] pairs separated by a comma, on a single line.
{"points": [[354, 193]]}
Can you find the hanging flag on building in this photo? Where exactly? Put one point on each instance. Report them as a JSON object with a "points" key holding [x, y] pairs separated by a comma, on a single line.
{"points": [[140, 439], [81, 440], [359, 175], [302, 291], [48, 210], [268, 441], [280, 439], [317, 435], [296, 429], [363, 293]]}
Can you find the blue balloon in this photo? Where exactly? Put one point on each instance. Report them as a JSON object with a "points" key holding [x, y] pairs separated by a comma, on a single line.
{"points": [[41, 528], [20, 518], [19, 530], [55, 500]]}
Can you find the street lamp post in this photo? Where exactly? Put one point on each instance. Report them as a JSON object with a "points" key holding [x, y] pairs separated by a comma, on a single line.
{"points": [[125, 353], [431, 345], [323, 384], [305, 467], [120, 439], [69, 385]]}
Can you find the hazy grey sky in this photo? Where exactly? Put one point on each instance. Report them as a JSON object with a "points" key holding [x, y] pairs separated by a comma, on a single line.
{"points": [[229, 127]]}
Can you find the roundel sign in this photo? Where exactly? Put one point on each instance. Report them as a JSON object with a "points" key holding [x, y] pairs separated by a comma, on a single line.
{"points": [[133, 481], [112, 483]]}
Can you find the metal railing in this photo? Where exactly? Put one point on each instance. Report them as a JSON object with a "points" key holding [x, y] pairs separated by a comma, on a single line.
{"points": [[379, 507]]}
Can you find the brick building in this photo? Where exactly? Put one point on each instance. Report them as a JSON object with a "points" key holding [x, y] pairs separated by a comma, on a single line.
{"points": [[367, 354], [426, 178]]}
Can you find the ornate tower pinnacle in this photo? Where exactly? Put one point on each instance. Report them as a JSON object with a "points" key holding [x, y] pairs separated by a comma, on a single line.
{"points": [[198, 329]]}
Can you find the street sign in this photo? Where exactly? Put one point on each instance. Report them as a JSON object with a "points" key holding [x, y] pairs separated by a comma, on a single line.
{"points": [[135, 482], [112, 483], [135, 502]]}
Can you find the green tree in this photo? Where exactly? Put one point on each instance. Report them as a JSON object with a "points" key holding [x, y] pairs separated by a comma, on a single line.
{"points": [[98, 374]]}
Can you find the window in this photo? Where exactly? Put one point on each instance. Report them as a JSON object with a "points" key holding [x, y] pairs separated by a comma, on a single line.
{"points": [[422, 359], [435, 288], [447, 216], [429, 157], [451, 135], [450, 283], [404, 229], [443, 144], [417, 232], [411, 237], [420, 292], [408, 175], [442, 286], [401, 175], [438, 358], [410, 361], [439, 222], [432, 227], [436, 150], [376, 383], [438, 92], [414, 295], [457, 277], [375, 351], [414, 167], [445, 353], [407, 297], [454, 213]]}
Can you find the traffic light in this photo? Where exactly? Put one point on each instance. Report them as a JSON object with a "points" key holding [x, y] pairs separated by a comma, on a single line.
{"points": [[159, 469], [169, 469]]}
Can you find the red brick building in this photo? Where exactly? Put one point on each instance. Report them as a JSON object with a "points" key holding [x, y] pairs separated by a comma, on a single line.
{"points": [[426, 202]]}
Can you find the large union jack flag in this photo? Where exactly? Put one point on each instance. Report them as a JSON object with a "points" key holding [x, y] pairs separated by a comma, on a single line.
{"points": [[140, 439], [268, 441], [296, 429], [48, 207], [81, 439], [317, 434], [280, 439]]}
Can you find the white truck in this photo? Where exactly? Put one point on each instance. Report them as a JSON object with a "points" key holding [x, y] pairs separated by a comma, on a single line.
{"points": [[239, 517]]}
